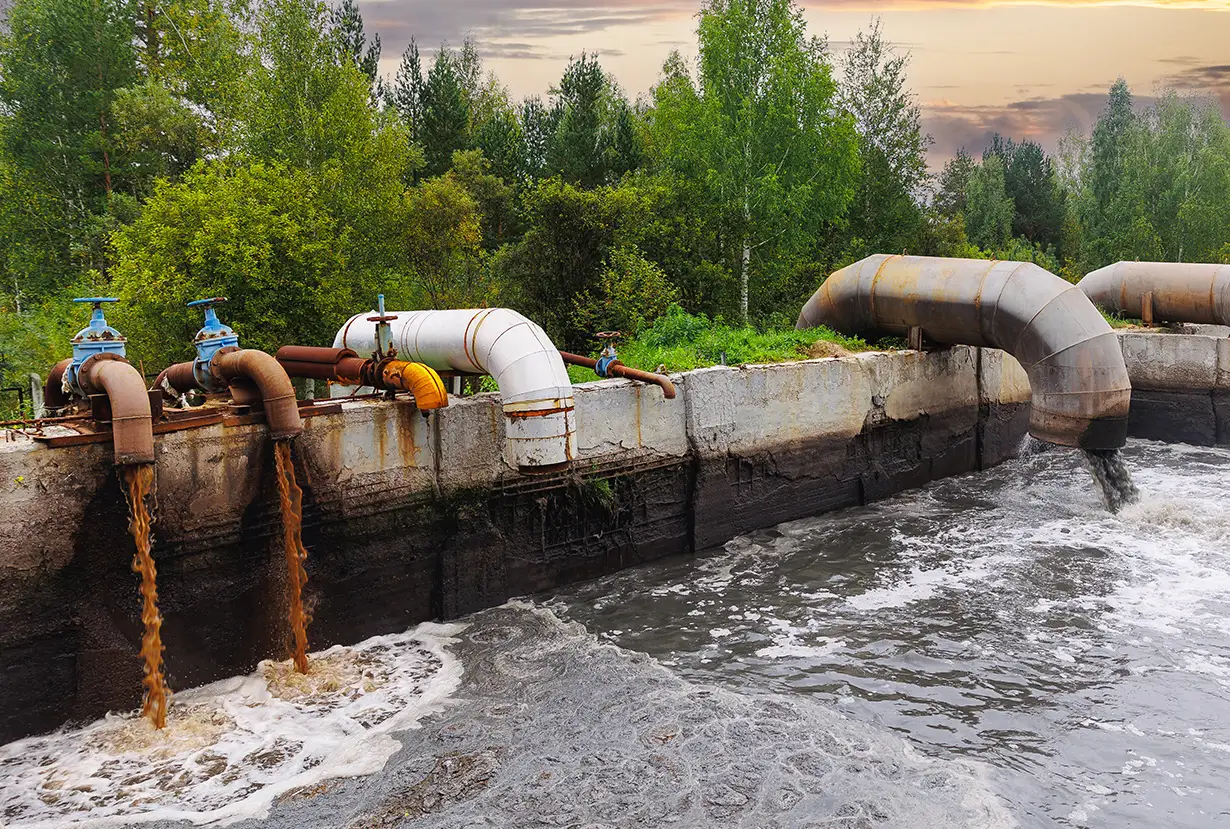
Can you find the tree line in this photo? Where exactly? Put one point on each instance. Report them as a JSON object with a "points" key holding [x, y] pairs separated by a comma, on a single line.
{"points": [[168, 151]]}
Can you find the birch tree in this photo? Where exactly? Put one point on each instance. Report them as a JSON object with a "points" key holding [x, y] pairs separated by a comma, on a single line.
{"points": [[760, 131]]}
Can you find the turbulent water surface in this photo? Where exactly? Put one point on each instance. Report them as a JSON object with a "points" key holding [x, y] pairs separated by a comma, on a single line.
{"points": [[996, 650]]}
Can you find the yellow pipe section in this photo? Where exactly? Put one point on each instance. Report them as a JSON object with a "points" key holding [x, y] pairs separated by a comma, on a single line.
{"points": [[420, 380]]}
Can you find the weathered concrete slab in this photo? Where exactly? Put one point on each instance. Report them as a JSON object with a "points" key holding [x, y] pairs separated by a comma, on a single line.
{"points": [[619, 417], [1180, 382], [1170, 362], [1174, 417]]}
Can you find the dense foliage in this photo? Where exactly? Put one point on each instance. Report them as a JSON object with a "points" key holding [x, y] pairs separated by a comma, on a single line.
{"points": [[165, 152]]}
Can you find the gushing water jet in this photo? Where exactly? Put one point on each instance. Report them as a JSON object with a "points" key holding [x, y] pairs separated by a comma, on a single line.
{"points": [[256, 379], [100, 374]]}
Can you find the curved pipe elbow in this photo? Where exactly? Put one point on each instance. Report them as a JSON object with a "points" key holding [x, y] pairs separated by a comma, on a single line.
{"points": [[1080, 392], [256, 368], [420, 380], [1182, 291], [132, 423]]}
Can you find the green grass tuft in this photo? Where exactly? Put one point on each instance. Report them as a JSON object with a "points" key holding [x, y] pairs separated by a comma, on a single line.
{"points": [[681, 342]]}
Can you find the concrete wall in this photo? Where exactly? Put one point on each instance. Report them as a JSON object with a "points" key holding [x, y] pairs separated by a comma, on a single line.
{"points": [[410, 517], [1180, 385]]}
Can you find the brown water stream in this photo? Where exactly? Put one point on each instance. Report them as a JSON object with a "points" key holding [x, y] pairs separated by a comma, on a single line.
{"points": [[139, 480], [291, 497]]}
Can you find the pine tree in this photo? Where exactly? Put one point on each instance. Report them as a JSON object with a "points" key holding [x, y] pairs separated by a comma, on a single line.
{"points": [[406, 95], [347, 25], [445, 115]]}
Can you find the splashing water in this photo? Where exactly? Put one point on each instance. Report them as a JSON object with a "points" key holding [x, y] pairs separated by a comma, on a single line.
{"points": [[1112, 477], [291, 497], [235, 747], [140, 482]]}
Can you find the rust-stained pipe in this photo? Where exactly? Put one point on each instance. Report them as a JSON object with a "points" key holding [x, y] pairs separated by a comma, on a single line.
{"points": [[342, 365], [1182, 292], [618, 369], [132, 424], [53, 390], [178, 376], [1080, 386], [248, 367]]}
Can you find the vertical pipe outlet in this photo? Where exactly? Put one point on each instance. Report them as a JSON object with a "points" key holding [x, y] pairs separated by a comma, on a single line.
{"points": [[250, 372], [132, 423], [1080, 390], [533, 381]]}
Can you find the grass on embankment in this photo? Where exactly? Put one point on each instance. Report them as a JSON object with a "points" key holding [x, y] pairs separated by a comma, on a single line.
{"points": [[681, 342], [1117, 320]]}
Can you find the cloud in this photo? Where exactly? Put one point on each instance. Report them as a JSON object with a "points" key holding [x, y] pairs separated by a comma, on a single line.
{"points": [[915, 5], [507, 28], [1041, 119], [1213, 81]]}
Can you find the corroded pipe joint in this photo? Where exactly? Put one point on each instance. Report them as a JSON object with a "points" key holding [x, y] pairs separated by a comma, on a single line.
{"points": [[339, 365], [53, 390], [132, 423], [1080, 392], [618, 369], [271, 380], [180, 377]]}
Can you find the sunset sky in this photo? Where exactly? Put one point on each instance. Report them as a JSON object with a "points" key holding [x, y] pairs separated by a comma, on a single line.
{"points": [[1025, 70]]}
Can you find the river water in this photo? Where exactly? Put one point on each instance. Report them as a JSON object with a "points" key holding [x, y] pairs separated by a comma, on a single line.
{"points": [[995, 650]]}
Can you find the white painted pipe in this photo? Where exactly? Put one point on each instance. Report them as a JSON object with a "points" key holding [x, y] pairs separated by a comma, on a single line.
{"points": [[515, 351]]}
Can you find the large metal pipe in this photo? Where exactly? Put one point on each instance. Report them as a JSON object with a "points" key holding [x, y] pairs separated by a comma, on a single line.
{"points": [[1080, 387], [1182, 291], [132, 423], [247, 371], [516, 352], [618, 369]]}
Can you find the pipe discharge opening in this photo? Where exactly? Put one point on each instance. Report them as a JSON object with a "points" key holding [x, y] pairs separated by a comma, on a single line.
{"points": [[1080, 392], [1182, 291]]}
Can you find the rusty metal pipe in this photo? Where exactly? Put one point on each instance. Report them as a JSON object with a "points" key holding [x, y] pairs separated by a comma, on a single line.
{"points": [[1080, 387], [179, 377], [1182, 291], [53, 390], [618, 369], [342, 365], [246, 366], [132, 423], [338, 364]]}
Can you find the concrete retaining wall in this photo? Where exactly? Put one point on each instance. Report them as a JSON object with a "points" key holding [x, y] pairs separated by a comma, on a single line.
{"points": [[410, 518], [1180, 385]]}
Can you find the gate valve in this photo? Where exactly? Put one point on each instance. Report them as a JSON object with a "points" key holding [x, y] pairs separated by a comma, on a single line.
{"points": [[608, 357], [212, 338], [384, 331], [96, 338]]}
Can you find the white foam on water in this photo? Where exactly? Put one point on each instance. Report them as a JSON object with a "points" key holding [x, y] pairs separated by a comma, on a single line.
{"points": [[232, 748]]}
